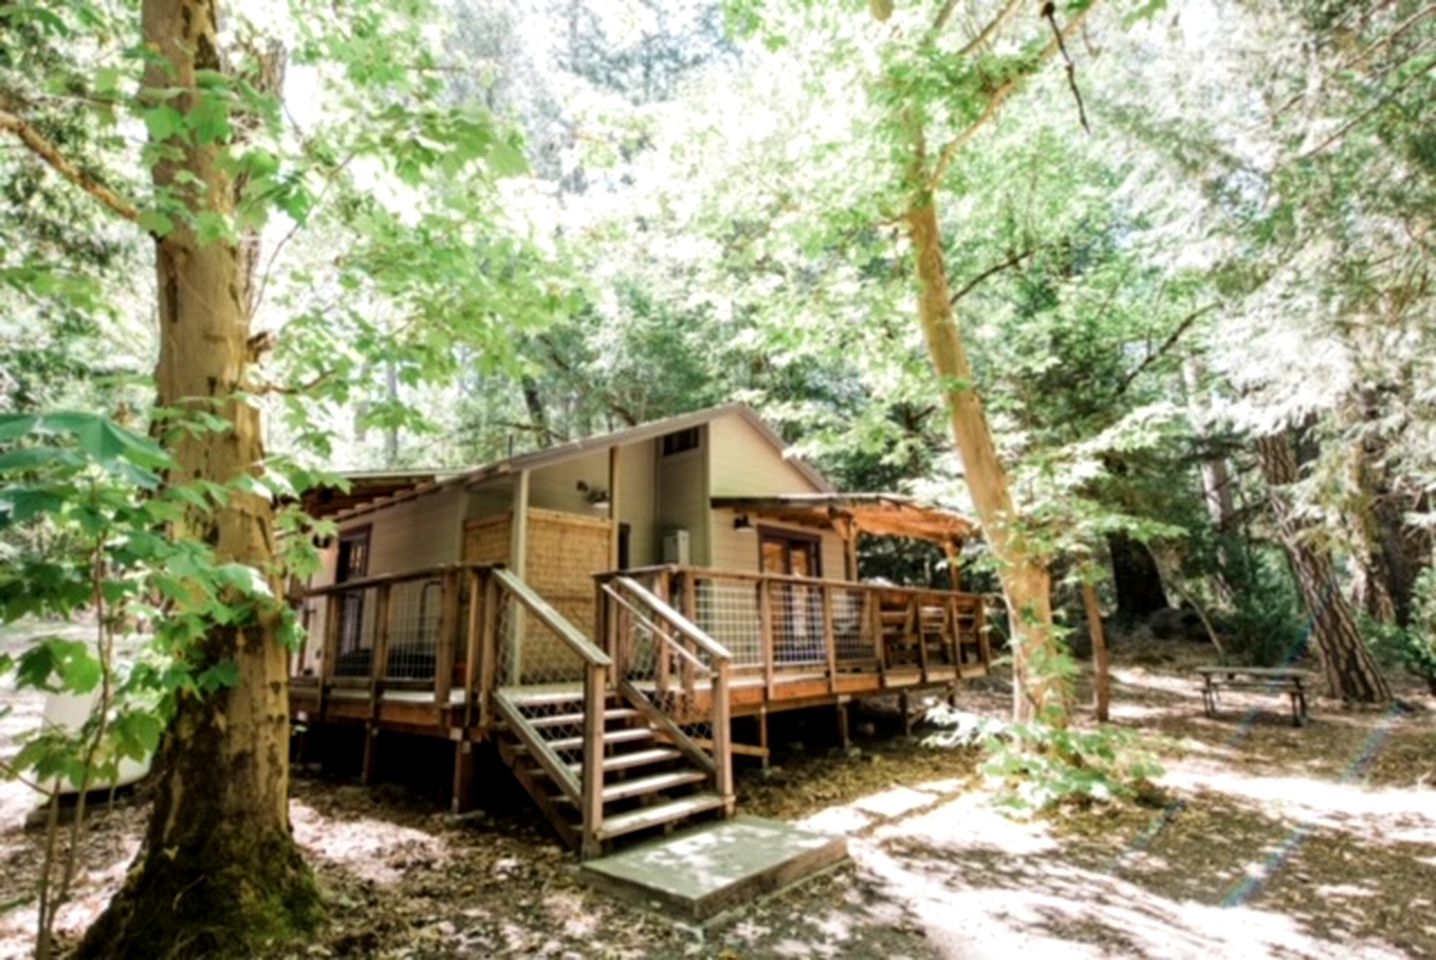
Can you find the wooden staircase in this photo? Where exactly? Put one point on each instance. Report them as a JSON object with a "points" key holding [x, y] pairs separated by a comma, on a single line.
{"points": [[647, 782]]}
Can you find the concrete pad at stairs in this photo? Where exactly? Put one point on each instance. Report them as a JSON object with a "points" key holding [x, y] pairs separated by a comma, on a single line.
{"points": [[700, 872]]}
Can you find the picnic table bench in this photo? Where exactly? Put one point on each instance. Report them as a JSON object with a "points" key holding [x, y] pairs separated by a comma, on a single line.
{"points": [[1294, 683]]}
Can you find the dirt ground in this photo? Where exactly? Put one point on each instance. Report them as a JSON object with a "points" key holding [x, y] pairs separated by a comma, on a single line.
{"points": [[1275, 842]]}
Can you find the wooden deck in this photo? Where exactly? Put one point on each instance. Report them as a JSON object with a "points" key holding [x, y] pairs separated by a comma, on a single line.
{"points": [[470, 653]]}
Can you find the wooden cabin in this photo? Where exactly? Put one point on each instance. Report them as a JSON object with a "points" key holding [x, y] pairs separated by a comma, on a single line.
{"points": [[604, 611]]}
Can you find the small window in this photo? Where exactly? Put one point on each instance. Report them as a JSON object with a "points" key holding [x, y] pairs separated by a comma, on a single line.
{"points": [[680, 442]]}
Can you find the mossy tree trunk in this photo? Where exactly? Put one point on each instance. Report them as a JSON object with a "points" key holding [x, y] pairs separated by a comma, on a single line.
{"points": [[1350, 671], [219, 872], [1026, 584]]}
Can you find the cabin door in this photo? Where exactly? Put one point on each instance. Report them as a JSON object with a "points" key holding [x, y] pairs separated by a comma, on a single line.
{"points": [[796, 615], [353, 565]]}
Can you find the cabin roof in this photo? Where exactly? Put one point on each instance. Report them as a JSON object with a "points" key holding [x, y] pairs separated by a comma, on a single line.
{"points": [[421, 482], [880, 514]]}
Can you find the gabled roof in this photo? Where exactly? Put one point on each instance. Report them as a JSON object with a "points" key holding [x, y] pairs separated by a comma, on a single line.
{"points": [[431, 481]]}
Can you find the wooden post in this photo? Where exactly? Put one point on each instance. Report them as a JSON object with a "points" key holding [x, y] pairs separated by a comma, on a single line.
{"points": [[615, 468], [905, 708], [874, 610], [723, 737], [830, 638], [518, 564], [462, 798], [448, 637], [371, 754], [1101, 678], [915, 618], [333, 603], [843, 724], [488, 660], [591, 796], [473, 646], [953, 549], [763, 734], [378, 668], [379, 656], [765, 632]]}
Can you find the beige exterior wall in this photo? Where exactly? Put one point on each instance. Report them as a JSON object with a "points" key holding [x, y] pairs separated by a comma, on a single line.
{"points": [[745, 464], [739, 551], [637, 502], [683, 496]]}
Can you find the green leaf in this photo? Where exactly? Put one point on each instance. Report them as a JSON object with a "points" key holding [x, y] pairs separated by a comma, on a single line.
{"points": [[69, 662], [163, 122], [221, 676]]}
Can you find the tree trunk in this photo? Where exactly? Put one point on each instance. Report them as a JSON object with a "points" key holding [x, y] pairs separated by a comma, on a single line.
{"points": [[1136, 578], [1037, 694], [1347, 665], [1101, 673], [219, 872]]}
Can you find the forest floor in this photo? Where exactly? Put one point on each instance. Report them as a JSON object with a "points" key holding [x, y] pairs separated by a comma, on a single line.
{"points": [[1272, 841]]}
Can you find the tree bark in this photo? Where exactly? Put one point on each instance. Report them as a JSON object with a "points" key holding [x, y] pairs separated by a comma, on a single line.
{"points": [[219, 873], [1101, 672], [1026, 584], [1137, 579], [1350, 671]]}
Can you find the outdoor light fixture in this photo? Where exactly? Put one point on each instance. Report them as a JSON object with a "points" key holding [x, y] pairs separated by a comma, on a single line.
{"points": [[742, 524]]}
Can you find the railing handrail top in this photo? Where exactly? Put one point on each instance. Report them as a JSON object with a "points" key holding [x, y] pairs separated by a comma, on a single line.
{"points": [[718, 573], [383, 579], [552, 619], [685, 626]]}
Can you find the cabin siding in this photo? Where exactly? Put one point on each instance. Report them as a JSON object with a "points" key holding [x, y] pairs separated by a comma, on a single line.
{"points": [[744, 463], [683, 496], [637, 504], [733, 550]]}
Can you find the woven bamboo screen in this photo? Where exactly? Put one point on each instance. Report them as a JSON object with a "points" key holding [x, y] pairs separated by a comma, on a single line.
{"points": [[565, 550], [486, 540]]}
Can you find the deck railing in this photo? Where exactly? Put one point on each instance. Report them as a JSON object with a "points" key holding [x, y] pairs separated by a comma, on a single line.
{"points": [[673, 672], [777, 624], [414, 630]]}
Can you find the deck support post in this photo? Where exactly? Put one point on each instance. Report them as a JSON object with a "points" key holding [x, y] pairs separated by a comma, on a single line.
{"points": [[591, 780], [371, 754], [462, 799], [905, 708], [762, 717], [843, 738]]}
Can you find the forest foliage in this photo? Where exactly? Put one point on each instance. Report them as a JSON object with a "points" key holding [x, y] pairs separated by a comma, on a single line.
{"points": [[1189, 246]]}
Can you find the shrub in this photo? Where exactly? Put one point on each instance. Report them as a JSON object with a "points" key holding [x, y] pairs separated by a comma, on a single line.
{"points": [[1037, 766]]}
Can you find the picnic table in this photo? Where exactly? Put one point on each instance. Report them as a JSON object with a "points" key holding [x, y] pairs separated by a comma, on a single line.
{"points": [[1292, 682]]}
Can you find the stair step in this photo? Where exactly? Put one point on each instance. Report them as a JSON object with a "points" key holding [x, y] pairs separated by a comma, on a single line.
{"points": [[653, 784], [630, 735], [576, 719], [657, 815], [638, 758], [540, 698]]}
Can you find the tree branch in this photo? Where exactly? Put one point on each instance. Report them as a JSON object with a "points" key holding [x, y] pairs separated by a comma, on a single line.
{"points": [[999, 97], [1007, 264], [1167, 344], [57, 161], [1049, 10], [986, 34]]}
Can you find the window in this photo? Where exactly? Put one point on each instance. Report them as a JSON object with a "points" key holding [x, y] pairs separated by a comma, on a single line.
{"points": [[680, 442]]}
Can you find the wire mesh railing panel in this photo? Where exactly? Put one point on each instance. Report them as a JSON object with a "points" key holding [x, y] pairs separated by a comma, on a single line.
{"points": [[797, 618], [358, 624], [729, 612], [663, 665], [852, 631], [415, 615]]}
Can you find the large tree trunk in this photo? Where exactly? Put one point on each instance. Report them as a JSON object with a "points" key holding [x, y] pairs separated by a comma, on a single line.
{"points": [[219, 872], [1347, 665], [1136, 578], [1025, 580]]}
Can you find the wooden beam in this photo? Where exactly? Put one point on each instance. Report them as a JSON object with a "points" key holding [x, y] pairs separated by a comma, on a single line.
{"points": [[615, 471], [518, 563]]}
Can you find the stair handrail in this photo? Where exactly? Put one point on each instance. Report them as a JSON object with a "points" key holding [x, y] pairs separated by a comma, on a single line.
{"points": [[718, 670], [587, 788]]}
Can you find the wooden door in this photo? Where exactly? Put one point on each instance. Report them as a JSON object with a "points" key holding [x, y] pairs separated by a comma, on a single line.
{"points": [[353, 564], [796, 614]]}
